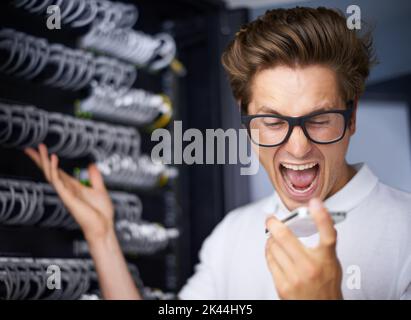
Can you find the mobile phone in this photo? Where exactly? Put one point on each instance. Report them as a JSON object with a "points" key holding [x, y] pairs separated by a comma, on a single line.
{"points": [[301, 224]]}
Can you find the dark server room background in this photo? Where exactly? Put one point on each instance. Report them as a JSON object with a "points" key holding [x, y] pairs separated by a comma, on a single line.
{"points": [[94, 91]]}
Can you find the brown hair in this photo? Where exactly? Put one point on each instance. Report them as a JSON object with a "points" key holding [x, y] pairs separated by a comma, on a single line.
{"points": [[298, 37]]}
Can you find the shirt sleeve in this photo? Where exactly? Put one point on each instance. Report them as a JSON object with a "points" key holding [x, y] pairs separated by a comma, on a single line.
{"points": [[206, 284]]}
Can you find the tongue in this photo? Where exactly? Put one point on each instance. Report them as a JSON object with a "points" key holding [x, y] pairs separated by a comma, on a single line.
{"points": [[301, 178]]}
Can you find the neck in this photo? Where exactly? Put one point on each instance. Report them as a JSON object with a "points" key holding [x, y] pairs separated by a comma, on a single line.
{"points": [[347, 174]]}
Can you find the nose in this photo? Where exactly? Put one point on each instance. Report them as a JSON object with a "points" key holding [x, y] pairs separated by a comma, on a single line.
{"points": [[298, 144]]}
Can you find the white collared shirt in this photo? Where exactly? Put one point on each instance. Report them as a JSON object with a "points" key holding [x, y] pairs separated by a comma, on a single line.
{"points": [[373, 246]]}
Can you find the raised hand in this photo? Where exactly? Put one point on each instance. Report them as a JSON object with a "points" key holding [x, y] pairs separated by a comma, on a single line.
{"points": [[91, 207], [93, 210]]}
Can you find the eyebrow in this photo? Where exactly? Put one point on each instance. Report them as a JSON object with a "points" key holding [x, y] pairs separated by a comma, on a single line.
{"points": [[269, 110]]}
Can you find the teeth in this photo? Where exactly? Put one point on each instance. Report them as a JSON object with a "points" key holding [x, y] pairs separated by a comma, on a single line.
{"points": [[299, 167]]}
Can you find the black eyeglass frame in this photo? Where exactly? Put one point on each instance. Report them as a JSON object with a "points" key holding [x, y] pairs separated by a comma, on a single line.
{"points": [[299, 121]]}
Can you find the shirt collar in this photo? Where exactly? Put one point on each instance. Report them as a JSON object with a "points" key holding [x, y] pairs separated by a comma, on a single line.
{"points": [[346, 199]]}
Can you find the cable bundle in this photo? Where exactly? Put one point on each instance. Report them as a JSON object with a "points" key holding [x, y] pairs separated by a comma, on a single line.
{"points": [[37, 204], [28, 203], [136, 238], [111, 31], [157, 294], [127, 206], [132, 173], [131, 106], [26, 278], [59, 66], [22, 127], [144, 237], [151, 52], [80, 13], [116, 149]]}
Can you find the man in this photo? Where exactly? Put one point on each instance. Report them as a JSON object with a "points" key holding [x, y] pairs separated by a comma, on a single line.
{"points": [[297, 75]]}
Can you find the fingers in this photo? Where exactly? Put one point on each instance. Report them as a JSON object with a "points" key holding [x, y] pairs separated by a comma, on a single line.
{"points": [[67, 195], [286, 239], [55, 178], [34, 155], [324, 223], [281, 258], [45, 161], [272, 264], [41, 159], [69, 180], [67, 187], [96, 178]]}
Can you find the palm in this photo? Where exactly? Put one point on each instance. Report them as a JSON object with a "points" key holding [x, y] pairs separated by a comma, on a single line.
{"points": [[97, 199], [91, 206]]}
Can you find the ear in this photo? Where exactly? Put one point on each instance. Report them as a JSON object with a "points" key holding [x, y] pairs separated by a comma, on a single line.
{"points": [[353, 120]]}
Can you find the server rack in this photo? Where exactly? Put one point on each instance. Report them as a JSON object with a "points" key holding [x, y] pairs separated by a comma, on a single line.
{"points": [[195, 201]]}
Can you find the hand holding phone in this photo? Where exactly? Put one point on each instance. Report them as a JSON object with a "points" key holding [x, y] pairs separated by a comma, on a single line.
{"points": [[314, 268]]}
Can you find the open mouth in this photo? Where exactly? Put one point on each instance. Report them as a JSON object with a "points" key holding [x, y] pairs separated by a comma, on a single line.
{"points": [[301, 180]]}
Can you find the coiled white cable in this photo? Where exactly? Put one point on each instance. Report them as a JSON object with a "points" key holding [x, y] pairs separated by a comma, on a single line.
{"points": [[71, 69], [134, 106], [81, 13], [37, 204], [152, 52], [65, 135], [136, 173], [26, 278]]}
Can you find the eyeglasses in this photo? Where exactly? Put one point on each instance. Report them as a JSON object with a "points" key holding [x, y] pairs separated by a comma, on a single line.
{"points": [[323, 127]]}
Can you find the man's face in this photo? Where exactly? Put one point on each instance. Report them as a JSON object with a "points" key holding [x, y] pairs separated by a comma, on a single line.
{"points": [[297, 92]]}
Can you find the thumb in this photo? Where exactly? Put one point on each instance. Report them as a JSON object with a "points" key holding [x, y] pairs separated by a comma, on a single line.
{"points": [[96, 179], [324, 223]]}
